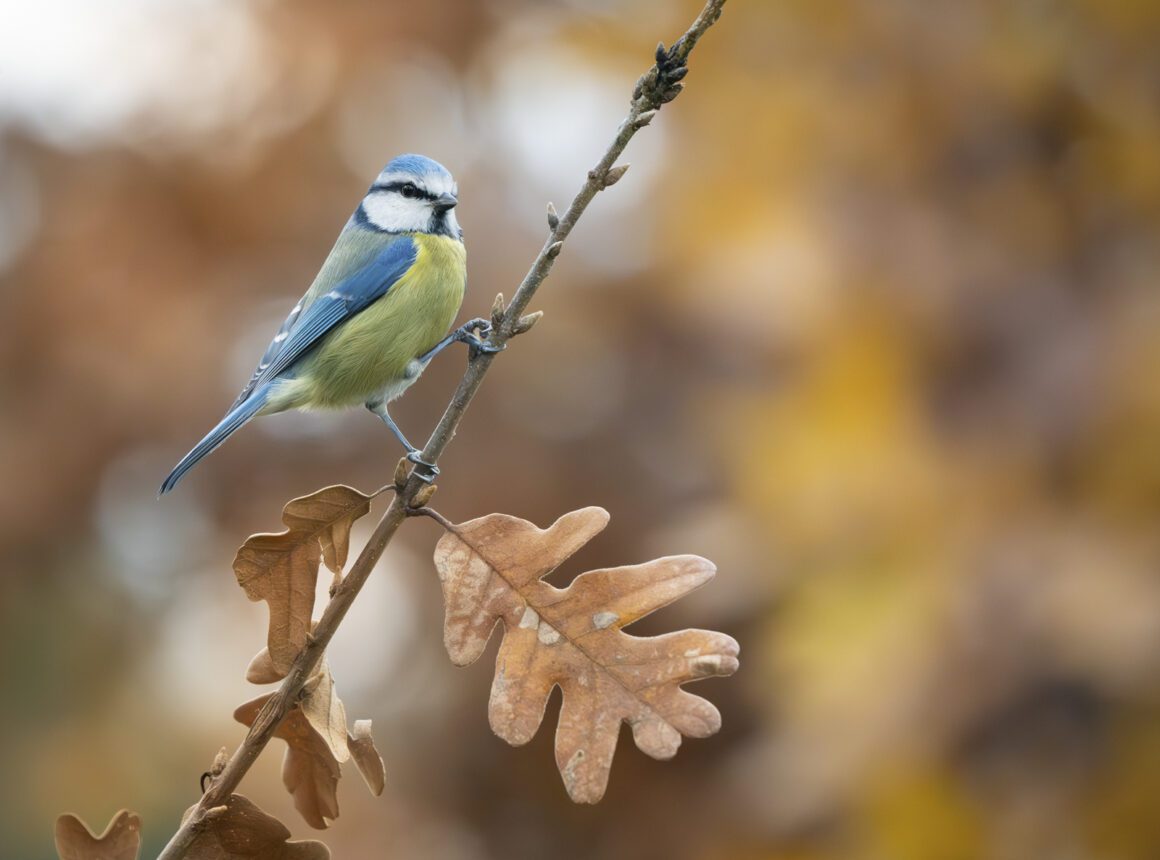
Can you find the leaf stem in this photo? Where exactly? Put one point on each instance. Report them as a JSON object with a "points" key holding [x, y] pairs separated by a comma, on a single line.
{"points": [[433, 514], [655, 88]]}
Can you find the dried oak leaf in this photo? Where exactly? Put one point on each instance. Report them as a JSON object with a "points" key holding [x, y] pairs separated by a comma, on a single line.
{"points": [[239, 830], [120, 841], [366, 756], [491, 568], [310, 770], [282, 568], [325, 712], [320, 703], [262, 670]]}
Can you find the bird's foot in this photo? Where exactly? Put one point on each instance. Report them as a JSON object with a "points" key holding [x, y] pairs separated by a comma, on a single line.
{"points": [[475, 342], [428, 471]]}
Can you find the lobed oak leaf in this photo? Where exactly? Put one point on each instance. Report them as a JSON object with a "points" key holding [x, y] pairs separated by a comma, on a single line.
{"points": [[491, 570], [239, 830], [282, 569], [366, 756], [310, 770], [120, 841]]}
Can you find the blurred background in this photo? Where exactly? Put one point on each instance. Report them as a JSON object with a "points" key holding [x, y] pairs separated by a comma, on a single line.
{"points": [[872, 322]]}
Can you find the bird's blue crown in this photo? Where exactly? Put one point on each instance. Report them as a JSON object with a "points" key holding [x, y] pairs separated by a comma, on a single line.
{"points": [[418, 166]]}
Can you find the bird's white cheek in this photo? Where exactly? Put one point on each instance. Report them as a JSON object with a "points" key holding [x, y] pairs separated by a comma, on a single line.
{"points": [[393, 213]]}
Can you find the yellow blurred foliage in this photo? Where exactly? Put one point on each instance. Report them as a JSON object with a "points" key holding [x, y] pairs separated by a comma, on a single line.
{"points": [[872, 322]]}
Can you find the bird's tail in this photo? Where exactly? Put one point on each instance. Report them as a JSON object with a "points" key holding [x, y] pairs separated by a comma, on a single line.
{"points": [[234, 420]]}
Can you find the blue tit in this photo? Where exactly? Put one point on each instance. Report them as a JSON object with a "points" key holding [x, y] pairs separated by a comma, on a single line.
{"points": [[377, 312]]}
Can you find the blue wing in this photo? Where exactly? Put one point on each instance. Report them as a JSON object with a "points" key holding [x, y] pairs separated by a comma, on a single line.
{"points": [[309, 322]]}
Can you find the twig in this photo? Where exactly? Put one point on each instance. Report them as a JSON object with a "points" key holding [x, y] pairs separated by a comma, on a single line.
{"points": [[659, 85]]}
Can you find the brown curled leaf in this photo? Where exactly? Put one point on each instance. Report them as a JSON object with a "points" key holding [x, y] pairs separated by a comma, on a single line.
{"points": [[120, 841], [310, 771], [262, 670], [491, 571], [282, 569], [366, 756], [242, 831], [325, 712]]}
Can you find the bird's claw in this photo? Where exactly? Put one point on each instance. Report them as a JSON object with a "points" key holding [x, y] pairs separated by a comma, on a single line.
{"points": [[475, 342], [466, 332], [487, 347], [429, 471]]}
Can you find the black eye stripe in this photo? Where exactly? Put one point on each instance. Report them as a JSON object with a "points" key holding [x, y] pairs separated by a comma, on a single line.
{"points": [[399, 186]]}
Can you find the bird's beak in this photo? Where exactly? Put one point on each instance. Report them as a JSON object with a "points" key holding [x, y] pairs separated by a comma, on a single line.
{"points": [[445, 201]]}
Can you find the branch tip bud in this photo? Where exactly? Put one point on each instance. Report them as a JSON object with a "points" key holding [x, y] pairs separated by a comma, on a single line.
{"points": [[423, 495], [614, 175], [526, 322], [402, 470], [645, 118]]}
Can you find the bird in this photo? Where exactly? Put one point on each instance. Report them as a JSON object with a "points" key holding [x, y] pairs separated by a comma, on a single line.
{"points": [[378, 311]]}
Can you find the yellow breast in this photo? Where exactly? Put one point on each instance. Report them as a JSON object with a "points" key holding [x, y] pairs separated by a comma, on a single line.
{"points": [[372, 351]]}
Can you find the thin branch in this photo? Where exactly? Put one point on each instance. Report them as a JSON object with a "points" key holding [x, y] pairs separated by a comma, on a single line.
{"points": [[659, 85]]}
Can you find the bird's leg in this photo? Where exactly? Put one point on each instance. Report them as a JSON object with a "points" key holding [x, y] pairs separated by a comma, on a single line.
{"points": [[464, 334], [430, 471]]}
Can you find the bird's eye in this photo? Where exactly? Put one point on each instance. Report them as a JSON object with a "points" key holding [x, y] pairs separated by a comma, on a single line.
{"points": [[409, 191]]}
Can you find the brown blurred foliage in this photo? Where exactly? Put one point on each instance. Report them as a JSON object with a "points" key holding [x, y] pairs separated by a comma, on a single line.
{"points": [[871, 323]]}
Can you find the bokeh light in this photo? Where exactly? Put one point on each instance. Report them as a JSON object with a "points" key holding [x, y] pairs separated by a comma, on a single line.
{"points": [[872, 322]]}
